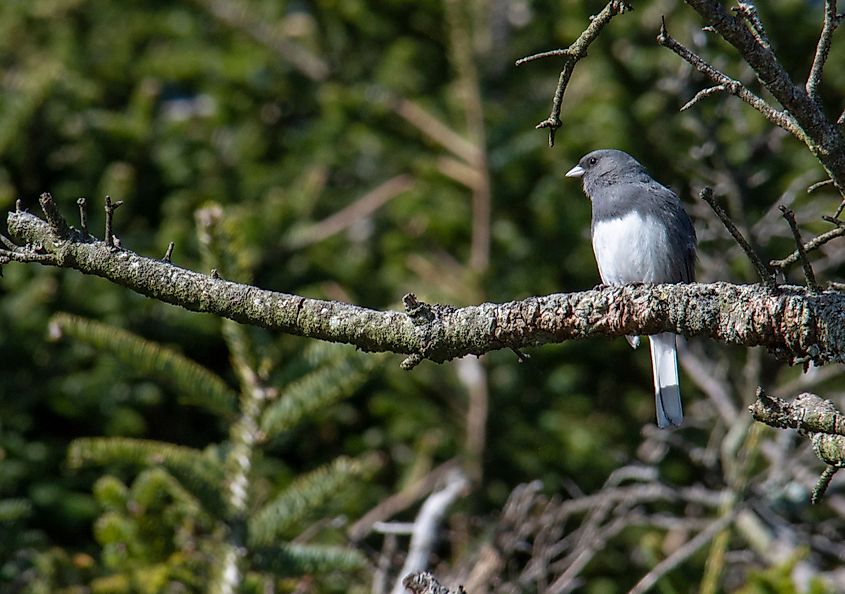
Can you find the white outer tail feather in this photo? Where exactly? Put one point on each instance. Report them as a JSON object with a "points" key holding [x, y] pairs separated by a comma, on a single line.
{"points": [[667, 390]]}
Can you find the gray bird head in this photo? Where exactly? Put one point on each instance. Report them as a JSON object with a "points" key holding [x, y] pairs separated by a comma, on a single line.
{"points": [[606, 167]]}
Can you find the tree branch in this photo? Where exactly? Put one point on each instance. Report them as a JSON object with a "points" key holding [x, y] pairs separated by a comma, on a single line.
{"points": [[819, 133], [814, 417], [725, 83], [423, 582], [572, 55], [791, 322], [831, 22]]}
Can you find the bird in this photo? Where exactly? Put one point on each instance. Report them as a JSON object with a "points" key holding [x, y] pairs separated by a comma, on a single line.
{"points": [[640, 234]]}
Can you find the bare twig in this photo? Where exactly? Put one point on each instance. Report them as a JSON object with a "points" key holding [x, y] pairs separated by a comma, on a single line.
{"points": [[399, 501], [572, 55], [822, 49], [83, 216], [169, 253], [839, 209], [734, 87], [789, 215], [802, 114], [818, 185], [8, 243], [823, 484], [53, 216], [748, 11], [703, 94], [27, 256], [766, 276], [681, 554], [110, 208], [811, 245]]}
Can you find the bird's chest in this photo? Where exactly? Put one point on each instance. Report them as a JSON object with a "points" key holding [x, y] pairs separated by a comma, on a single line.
{"points": [[631, 248]]}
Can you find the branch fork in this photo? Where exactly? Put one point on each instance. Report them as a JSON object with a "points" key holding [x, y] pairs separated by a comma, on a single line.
{"points": [[572, 55]]}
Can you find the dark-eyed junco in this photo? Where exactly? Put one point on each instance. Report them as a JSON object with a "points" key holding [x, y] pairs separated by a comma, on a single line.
{"points": [[641, 234]]}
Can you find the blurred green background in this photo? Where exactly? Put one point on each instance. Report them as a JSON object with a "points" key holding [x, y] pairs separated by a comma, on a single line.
{"points": [[285, 113]]}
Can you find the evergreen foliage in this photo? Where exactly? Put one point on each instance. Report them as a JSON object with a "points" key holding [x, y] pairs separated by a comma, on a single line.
{"points": [[194, 384], [166, 527], [271, 118]]}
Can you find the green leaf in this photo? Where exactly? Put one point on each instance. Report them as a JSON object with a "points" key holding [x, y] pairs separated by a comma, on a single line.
{"points": [[195, 384], [290, 560], [307, 493], [198, 474]]}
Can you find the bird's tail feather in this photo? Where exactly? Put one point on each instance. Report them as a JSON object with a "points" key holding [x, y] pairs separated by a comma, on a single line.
{"points": [[667, 392]]}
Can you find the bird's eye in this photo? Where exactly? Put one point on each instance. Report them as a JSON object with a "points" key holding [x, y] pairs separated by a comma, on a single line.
{"points": [[592, 161]]}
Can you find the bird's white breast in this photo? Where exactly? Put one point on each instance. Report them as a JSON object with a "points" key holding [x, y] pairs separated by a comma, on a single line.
{"points": [[632, 248]]}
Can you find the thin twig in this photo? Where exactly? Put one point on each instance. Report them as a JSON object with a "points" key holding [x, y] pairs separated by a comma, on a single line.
{"points": [[804, 117], [572, 55], [565, 52], [110, 208], [83, 216], [53, 216], [821, 184], [811, 245], [822, 49], [789, 215], [734, 87], [702, 94], [840, 209], [681, 554], [748, 11], [824, 482], [8, 243], [27, 256], [766, 276], [169, 253]]}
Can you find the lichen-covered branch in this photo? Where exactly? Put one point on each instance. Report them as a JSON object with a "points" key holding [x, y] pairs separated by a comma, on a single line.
{"points": [[571, 55], [814, 417], [423, 582], [789, 321]]}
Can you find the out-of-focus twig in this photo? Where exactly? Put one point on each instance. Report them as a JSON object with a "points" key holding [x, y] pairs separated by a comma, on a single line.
{"points": [[427, 525], [681, 554], [237, 15], [399, 501], [348, 216]]}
